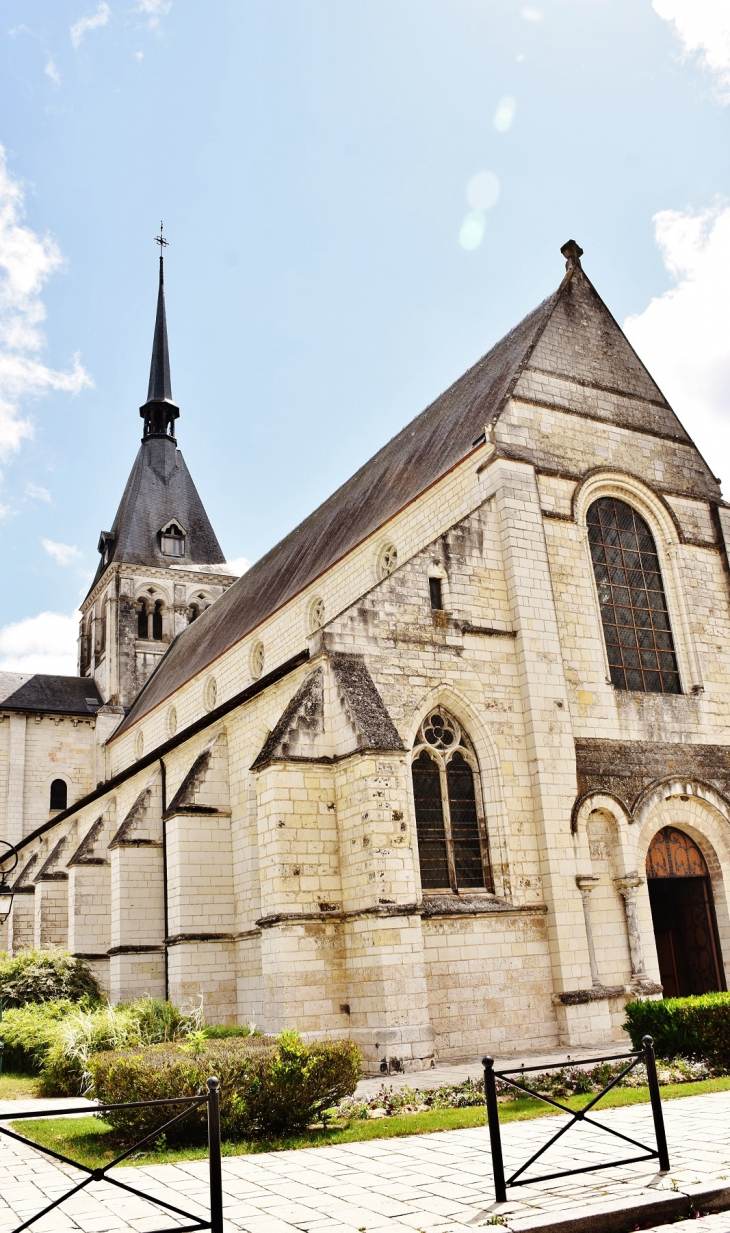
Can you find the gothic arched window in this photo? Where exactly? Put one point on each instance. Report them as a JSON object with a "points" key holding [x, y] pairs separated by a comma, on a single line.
{"points": [[631, 594], [453, 848], [59, 794], [157, 621]]}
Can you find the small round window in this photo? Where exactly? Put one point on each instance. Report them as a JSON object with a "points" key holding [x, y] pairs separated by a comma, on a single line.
{"points": [[139, 745], [171, 721], [210, 694], [316, 614], [258, 657], [387, 560]]}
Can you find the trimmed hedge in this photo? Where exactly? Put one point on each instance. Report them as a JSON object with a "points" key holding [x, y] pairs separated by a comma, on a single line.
{"points": [[268, 1085], [697, 1027], [34, 976]]}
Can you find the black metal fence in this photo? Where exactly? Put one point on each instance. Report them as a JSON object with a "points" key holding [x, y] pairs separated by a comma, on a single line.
{"points": [[660, 1153], [211, 1098]]}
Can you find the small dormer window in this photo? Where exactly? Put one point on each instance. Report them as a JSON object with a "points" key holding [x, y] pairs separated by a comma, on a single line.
{"points": [[106, 546], [172, 540]]}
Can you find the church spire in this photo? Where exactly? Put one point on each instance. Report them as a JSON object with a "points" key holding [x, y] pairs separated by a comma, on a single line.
{"points": [[159, 412]]}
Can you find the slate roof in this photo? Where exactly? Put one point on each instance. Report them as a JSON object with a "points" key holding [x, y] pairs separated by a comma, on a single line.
{"points": [[424, 451], [57, 695], [159, 490]]}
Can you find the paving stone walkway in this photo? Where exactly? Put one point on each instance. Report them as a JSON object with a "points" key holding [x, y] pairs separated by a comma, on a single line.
{"points": [[437, 1183]]}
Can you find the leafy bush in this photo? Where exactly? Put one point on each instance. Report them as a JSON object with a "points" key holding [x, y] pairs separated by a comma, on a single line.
{"points": [[34, 976], [28, 1034], [56, 1039], [268, 1085], [692, 1027]]}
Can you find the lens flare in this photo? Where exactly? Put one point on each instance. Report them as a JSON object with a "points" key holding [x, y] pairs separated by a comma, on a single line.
{"points": [[472, 230], [505, 113], [482, 191], [531, 14]]}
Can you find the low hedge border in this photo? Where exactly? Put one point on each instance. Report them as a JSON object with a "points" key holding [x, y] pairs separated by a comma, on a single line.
{"points": [[695, 1027], [268, 1085]]}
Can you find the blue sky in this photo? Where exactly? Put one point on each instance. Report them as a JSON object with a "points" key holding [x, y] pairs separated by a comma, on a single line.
{"points": [[361, 196]]}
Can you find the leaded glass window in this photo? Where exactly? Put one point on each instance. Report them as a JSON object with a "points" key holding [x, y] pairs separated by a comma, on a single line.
{"points": [[453, 848], [631, 594]]}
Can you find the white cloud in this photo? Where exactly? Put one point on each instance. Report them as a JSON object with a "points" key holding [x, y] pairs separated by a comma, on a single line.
{"points": [[44, 643], [27, 261], [153, 11], [36, 492], [51, 71], [683, 336], [64, 554], [505, 113], [237, 566], [704, 28], [93, 22], [139, 55], [532, 14]]}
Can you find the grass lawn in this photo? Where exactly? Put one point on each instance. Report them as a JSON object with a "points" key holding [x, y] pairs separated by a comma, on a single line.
{"points": [[17, 1087], [90, 1141]]}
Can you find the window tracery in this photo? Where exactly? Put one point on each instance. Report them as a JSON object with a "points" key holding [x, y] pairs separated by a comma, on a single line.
{"points": [[388, 560], [634, 614], [453, 845]]}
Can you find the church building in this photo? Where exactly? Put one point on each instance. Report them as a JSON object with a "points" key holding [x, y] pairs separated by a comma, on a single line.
{"points": [[447, 771]]}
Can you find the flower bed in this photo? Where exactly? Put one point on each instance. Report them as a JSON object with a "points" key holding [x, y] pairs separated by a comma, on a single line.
{"points": [[568, 1081]]}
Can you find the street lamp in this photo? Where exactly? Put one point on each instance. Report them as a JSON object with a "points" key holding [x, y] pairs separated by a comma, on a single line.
{"points": [[6, 894]]}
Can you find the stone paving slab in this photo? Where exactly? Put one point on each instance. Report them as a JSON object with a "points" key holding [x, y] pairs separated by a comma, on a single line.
{"points": [[437, 1183]]}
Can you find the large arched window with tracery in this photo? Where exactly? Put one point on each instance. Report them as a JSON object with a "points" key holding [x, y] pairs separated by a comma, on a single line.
{"points": [[453, 848], [634, 612]]}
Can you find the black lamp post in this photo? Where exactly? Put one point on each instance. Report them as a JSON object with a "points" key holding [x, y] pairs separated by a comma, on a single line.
{"points": [[6, 894]]}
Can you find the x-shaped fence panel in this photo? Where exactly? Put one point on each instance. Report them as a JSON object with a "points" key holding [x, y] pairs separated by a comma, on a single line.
{"points": [[211, 1098], [577, 1116]]}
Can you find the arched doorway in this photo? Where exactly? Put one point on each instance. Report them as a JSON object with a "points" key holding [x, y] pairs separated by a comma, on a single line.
{"points": [[683, 914]]}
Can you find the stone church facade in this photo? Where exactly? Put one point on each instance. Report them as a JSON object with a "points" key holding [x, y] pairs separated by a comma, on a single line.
{"points": [[448, 770]]}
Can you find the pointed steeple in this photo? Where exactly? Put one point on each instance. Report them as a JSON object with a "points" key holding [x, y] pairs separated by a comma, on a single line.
{"points": [[159, 412]]}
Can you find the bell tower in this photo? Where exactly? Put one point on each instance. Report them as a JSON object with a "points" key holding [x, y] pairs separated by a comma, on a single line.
{"points": [[161, 564]]}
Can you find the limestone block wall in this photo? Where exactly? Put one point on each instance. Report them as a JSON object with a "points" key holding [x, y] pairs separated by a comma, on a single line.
{"points": [[35, 750], [489, 983], [50, 926]]}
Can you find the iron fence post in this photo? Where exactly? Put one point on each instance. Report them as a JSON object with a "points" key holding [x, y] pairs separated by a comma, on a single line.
{"points": [[656, 1103], [495, 1138], [214, 1154]]}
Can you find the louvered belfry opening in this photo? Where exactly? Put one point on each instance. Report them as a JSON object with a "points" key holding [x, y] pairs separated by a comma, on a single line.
{"points": [[453, 846], [631, 594]]}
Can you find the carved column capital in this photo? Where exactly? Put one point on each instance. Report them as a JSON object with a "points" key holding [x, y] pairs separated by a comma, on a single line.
{"points": [[586, 883], [628, 885]]}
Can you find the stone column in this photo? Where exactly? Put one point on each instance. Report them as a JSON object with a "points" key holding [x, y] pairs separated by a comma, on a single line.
{"points": [[585, 884], [627, 888]]}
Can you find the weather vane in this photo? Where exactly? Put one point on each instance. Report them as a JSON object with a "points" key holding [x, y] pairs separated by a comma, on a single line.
{"points": [[160, 239]]}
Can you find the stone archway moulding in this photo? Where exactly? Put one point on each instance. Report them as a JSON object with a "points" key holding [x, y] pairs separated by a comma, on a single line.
{"points": [[652, 507], [652, 796]]}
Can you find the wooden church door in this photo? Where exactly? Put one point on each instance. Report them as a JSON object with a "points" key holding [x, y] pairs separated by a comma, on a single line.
{"points": [[683, 915]]}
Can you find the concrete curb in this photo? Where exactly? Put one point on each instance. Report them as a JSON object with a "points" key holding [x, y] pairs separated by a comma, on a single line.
{"points": [[613, 1217]]}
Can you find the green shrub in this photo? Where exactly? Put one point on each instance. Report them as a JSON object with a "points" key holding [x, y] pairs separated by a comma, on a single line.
{"points": [[56, 1039], [28, 1033], [34, 976], [267, 1085], [696, 1027]]}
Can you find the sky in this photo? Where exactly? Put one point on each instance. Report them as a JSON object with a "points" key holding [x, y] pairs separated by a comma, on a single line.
{"points": [[360, 199]]}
